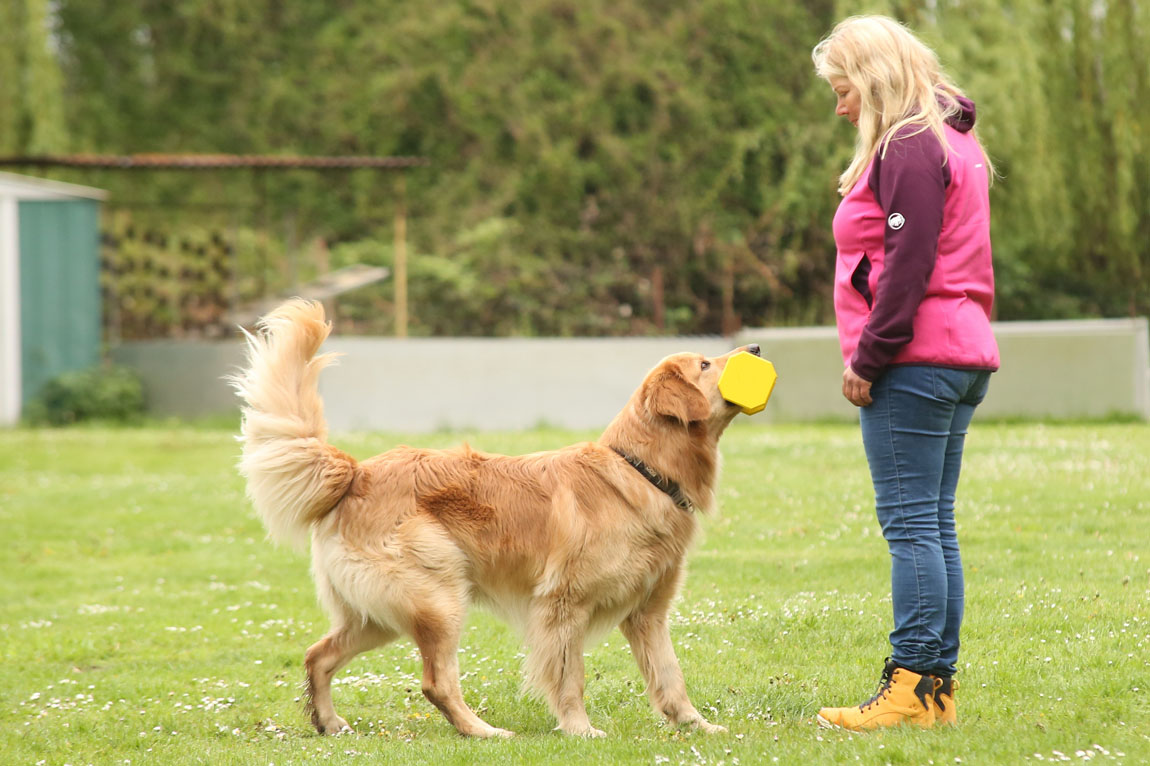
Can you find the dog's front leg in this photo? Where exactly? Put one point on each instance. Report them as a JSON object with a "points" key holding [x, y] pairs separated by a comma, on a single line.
{"points": [[555, 634], [650, 638]]}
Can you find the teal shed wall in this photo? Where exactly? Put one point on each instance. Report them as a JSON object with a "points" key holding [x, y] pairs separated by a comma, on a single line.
{"points": [[60, 311]]}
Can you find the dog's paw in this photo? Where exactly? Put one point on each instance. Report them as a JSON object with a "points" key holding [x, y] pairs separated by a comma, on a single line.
{"points": [[710, 728], [495, 732], [334, 728], [588, 731]]}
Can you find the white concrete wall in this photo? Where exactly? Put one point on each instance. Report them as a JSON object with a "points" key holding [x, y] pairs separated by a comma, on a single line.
{"points": [[1083, 369], [1071, 369], [512, 383], [1065, 369]]}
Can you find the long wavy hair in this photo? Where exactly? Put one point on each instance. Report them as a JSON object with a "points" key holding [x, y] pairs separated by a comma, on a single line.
{"points": [[899, 82]]}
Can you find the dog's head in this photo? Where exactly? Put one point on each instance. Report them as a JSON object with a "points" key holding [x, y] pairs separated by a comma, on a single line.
{"points": [[685, 387]]}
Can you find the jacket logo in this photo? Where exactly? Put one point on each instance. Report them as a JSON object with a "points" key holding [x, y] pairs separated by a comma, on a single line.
{"points": [[895, 221]]}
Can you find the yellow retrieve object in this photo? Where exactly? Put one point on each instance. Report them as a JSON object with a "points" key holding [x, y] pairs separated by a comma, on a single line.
{"points": [[747, 382]]}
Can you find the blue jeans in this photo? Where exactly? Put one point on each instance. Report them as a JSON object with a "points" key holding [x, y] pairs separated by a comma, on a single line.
{"points": [[913, 432]]}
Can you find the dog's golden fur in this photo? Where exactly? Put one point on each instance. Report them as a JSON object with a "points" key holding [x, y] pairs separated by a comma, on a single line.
{"points": [[560, 543]]}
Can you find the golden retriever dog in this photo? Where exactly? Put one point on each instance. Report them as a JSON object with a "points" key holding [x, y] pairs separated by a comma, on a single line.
{"points": [[561, 544]]}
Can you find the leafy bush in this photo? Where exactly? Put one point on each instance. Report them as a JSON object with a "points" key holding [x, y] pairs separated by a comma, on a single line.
{"points": [[104, 392], [613, 167]]}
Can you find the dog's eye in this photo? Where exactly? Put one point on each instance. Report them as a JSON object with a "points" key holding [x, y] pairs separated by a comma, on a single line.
{"points": [[705, 364]]}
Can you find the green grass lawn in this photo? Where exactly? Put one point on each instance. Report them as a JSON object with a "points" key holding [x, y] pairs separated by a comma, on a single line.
{"points": [[146, 620]]}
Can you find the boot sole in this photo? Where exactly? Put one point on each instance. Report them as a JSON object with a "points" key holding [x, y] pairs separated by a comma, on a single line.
{"points": [[825, 724]]}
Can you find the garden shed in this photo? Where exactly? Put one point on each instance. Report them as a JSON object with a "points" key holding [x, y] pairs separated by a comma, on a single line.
{"points": [[50, 313]]}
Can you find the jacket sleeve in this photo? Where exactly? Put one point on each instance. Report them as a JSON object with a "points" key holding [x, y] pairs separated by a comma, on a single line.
{"points": [[909, 184]]}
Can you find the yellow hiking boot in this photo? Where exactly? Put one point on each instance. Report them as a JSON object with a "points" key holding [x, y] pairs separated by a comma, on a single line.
{"points": [[903, 697], [945, 709]]}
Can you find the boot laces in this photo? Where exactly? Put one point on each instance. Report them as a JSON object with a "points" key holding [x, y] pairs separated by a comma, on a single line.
{"points": [[883, 687]]}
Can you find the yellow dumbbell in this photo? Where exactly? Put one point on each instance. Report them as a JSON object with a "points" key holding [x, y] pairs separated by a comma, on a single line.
{"points": [[747, 382]]}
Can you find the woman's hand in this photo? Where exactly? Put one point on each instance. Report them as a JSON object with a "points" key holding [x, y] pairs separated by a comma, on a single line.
{"points": [[855, 388]]}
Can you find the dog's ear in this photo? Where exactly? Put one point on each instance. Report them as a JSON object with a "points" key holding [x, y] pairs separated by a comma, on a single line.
{"points": [[668, 393]]}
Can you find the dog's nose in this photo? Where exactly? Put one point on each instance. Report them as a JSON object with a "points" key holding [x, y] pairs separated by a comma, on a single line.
{"points": [[753, 348]]}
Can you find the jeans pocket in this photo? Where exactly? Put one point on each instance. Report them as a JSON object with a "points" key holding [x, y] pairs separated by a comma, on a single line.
{"points": [[978, 387], [967, 386]]}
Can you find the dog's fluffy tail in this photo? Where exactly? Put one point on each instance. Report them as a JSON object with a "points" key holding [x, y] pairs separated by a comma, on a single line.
{"points": [[294, 476]]}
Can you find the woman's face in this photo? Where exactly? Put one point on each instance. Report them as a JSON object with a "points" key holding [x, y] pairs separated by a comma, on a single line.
{"points": [[849, 102]]}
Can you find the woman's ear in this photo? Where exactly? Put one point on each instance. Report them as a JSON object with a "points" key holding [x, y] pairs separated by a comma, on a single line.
{"points": [[669, 394]]}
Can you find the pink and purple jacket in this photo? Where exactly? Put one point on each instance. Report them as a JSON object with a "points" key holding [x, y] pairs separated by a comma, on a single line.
{"points": [[913, 279]]}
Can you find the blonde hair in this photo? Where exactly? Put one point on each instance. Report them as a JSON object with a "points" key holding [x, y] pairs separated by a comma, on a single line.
{"points": [[899, 82]]}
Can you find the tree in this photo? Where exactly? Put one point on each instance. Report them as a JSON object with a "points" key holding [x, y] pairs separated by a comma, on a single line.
{"points": [[604, 166], [33, 120]]}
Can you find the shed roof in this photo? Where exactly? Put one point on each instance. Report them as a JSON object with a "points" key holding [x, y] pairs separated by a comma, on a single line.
{"points": [[211, 161], [29, 187]]}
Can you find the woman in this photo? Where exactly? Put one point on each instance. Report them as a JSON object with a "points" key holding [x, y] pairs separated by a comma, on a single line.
{"points": [[913, 294]]}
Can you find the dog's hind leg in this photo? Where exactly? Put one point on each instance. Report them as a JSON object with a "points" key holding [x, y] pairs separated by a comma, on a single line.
{"points": [[326, 657], [555, 633], [437, 637], [650, 638]]}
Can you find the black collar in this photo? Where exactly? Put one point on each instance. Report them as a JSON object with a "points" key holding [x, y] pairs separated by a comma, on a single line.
{"points": [[667, 486]]}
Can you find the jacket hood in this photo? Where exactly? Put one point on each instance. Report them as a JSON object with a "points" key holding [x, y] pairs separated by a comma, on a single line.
{"points": [[963, 121]]}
